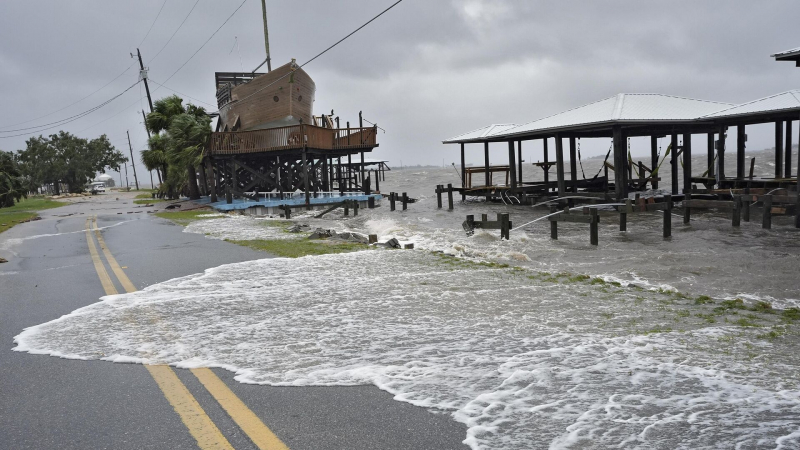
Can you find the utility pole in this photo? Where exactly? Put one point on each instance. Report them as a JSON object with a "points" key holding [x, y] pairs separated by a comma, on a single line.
{"points": [[145, 123], [132, 163], [143, 74], [266, 37], [127, 185]]}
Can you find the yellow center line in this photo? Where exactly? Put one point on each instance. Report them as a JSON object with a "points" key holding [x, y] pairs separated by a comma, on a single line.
{"points": [[200, 426], [123, 279], [259, 433], [196, 420], [105, 280], [252, 426]]}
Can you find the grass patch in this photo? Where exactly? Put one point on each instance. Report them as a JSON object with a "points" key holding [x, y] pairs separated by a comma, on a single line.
{"points": [[761, 306], [745, 322], [295, 248], [791, 314], [185, 217], [149, 201], [24, 210], [703, 299], [727, 305], [772, 334], [146, 194]]}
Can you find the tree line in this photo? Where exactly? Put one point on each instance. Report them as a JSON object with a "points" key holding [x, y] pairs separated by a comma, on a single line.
{"points": [[179, 134], [61, 159]]}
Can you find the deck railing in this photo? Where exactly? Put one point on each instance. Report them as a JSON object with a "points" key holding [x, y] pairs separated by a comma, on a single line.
{"points": [[290, 138]]}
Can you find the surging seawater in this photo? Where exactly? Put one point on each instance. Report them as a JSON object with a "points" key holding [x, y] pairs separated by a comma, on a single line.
{"points": [[525, 359], [573, 346]]}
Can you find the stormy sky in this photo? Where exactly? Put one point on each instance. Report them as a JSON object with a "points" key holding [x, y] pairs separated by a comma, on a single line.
{"points": [[425, 71]]}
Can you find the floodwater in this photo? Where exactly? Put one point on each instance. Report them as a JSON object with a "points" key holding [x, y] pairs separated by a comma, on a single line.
{"points": [[530, 342]]}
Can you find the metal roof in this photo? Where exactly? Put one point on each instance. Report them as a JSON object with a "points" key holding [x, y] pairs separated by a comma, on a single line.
{"points": [[787, 54], [622, 108], [784, 101], [480, 132]]}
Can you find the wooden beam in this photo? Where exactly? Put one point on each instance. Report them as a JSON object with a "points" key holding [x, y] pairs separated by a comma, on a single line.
{"points": [[573, 165], [787, 159], [654, 159], [519, 161], [741, 136], [560, 166], [486, 168], [721, 153], [620, 161], [512, 165], [687, 163], [546, 162], [674, 162], [710, 148], [779, 149]]}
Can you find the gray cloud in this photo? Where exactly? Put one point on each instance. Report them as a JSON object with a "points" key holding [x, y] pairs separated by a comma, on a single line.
{"points": [[425, 71]]}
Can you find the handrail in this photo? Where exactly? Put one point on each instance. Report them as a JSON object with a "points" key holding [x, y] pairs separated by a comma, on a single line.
{"points": [[291, 137]]}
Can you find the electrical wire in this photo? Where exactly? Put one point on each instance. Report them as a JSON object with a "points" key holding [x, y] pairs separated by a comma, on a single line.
{"points": [[239, 102], [173, 90], [152, 24], [71, 104], [68, 119], [173, 34], [207, 40]]}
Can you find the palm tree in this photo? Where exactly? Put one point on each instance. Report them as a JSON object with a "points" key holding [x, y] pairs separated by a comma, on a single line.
{"points": [[176, 146], [12, 188]]}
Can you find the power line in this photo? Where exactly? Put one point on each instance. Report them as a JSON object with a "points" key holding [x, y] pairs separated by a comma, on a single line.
{"points": [[68, 119], [173, 34], [111, 117], [239, 102], [184, 95], [71, 104], [152, 24], [207, 40]]}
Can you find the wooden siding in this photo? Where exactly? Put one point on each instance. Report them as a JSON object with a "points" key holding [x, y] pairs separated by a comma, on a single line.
{"points": [[262, 108], [293, 137]]}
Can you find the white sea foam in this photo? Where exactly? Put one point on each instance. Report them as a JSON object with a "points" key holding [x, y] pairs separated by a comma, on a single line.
{"points": [[522, 361]]}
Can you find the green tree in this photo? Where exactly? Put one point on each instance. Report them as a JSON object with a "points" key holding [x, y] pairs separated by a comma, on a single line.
{"points": [[12, 186], [65, 158], [180, 135]]}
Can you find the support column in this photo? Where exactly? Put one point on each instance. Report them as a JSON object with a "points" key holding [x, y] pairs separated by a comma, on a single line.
{"points": [[654, 160], [325, 179], [721, 154], [486, 167], [779, 149], [687, 163], [546, 161], [562, 185], [674, 163], [710, 145], [512, 165], [741, 137], [349, 172], [212, 180], [787, 159], [362, 170], [463, 173], [519, 162], [620, 160], [305, 177], [573, 165]]}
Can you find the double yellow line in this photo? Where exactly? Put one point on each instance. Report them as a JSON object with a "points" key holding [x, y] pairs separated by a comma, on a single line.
{"points": [[200, 426]]}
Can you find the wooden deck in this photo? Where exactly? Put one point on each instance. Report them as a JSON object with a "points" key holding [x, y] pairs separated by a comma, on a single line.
{"points": [[294, 137]]}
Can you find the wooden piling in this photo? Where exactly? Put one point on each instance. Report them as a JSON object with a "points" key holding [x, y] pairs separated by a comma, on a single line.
{"points": [[392, 198], [377, 181], [745, 207], [439, 196], [623, 221], [741, 137], [766, 221], [674, 163], [553, 224], [346, 208], [405, 201], [593, 235], [355, 208], [779, 148], [737, 211], [450, 196], [562, 185], [687, 212], [505, 228], [654, 160], [668, 216], [371, 203], [373, 238], [287, 211]]}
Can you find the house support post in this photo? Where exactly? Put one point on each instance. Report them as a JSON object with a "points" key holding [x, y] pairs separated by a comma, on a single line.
{"points": [[463, 174], [779, 149], [620, 161], [674, 163], [486, 169], [787, 159], [573, 166], [562, 187], [741, 136], [512, 165], [654, 161]]}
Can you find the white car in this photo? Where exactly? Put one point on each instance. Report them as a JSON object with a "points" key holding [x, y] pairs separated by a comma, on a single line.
{"points": [[97, 186]]}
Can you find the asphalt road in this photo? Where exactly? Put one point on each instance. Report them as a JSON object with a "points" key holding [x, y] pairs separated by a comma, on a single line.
{"points": [[48, 402]]}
